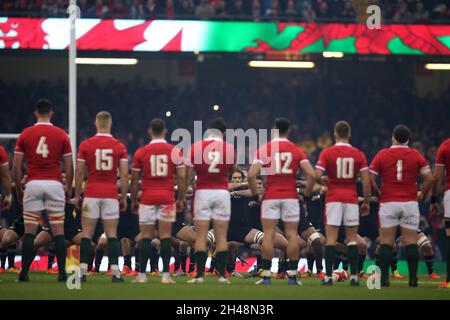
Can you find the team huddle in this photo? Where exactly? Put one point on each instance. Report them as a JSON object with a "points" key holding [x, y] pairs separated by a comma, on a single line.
{"points": [[187, 204]]}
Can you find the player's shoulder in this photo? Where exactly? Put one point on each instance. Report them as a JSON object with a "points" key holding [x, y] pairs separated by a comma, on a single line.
{"points": [[446, 144]]}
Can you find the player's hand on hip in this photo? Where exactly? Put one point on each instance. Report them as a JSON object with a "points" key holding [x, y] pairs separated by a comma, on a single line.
{"points": [[135, 207], [123, 204], [365, 209], [7, 203], [78, 202], [419, 196]]}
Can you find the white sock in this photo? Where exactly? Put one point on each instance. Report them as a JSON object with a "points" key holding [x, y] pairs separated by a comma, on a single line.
{"points": [[354, 277], [83, 268], [166, 275], [115, 270], [327, 278], [142, 275]]}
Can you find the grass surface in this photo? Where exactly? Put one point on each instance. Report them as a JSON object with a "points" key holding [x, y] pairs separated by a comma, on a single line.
{"points": [[43, 286]]}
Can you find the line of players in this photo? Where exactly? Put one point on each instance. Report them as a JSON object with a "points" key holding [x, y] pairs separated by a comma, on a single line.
{"points": [[158, 163]]}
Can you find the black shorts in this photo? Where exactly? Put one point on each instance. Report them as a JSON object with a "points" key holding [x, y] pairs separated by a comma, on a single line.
{"points": [[18, 227], [128, 226], [71, 229], [238, 233], [304, 225], [178, 224]]}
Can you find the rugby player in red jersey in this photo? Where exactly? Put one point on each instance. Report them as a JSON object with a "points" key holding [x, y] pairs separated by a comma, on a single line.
{"points": [[399, 167], [343, 164], [212, 159], [281, 160], [42, 146], [157, 164], [5, 179], [101, 156], [443, 168]]}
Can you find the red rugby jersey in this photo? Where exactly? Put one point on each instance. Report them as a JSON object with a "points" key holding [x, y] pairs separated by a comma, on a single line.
{"points": [[342, 162], [212, 160], [281, 162], [43, 145], [399, 166], [4, 161], [157, 163], [102, 154], [443, 159]]}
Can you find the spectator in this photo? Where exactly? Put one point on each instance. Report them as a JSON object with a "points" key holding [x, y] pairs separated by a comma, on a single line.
{"points": [[308, 13], [256, 10], [403, 14], [169, 10], [273, 12], [86, 11], [221, 10], [101, 9], [421, 16], [440, 12], [291, 10], [151, 9], [348, 13], [238, 10], [185, 9], [137, 10], [204, 11], [322, 12], [118, 10]]}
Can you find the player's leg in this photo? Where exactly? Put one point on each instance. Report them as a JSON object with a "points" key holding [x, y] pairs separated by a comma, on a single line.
{"points": [[333, 220], [91, 213], [446, 203], [43, 239], [3, 251], [267, 246], [351, 223], [290, 231], [389, 216], [426, 247], [9, 238], [166, 218], [220, 233], [315, 248], [55, 207], [125, 245], [147, 220], [409, 225], [109, 212], [362, 253]]}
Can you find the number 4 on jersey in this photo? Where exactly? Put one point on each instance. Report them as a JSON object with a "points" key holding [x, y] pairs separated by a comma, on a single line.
{"points": [[42, 148]]}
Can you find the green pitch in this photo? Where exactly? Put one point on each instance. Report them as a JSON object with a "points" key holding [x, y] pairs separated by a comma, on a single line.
{"points": [[43, 286]]}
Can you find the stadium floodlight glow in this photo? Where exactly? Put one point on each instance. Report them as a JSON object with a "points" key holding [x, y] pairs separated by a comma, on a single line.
{"points": [[437, 66], [216, 107], [333, 54], [107, 61], [281, 64], [168, 114]]}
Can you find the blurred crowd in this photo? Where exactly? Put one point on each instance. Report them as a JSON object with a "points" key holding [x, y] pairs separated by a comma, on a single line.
{"points": [[401, 11], [313, 110]]}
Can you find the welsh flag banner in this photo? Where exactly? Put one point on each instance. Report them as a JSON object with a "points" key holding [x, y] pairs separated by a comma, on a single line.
{"points": [[217, 36]]}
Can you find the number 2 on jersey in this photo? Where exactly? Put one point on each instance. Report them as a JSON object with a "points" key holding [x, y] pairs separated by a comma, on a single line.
{"points": [[214, 157], [42, 148]]}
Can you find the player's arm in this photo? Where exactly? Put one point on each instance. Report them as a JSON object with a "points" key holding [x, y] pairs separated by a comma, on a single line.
{"points": [[373, 185], [134, 188], [439, 172], [123, 169], [253, 172], [426, 185], [311, 176], [365, 181], [6, 186], [181, 185], [18, 174], [79, 179], [68, 166]]}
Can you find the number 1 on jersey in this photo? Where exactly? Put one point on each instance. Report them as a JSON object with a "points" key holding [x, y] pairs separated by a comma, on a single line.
{"points": [[399, 170]]}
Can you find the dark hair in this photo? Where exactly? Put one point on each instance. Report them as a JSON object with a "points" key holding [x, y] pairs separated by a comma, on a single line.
{"points": [[402, 133], [239, 171], [157, 125], [282, 124], [342, 129], [218, 124], [44, 107]]}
